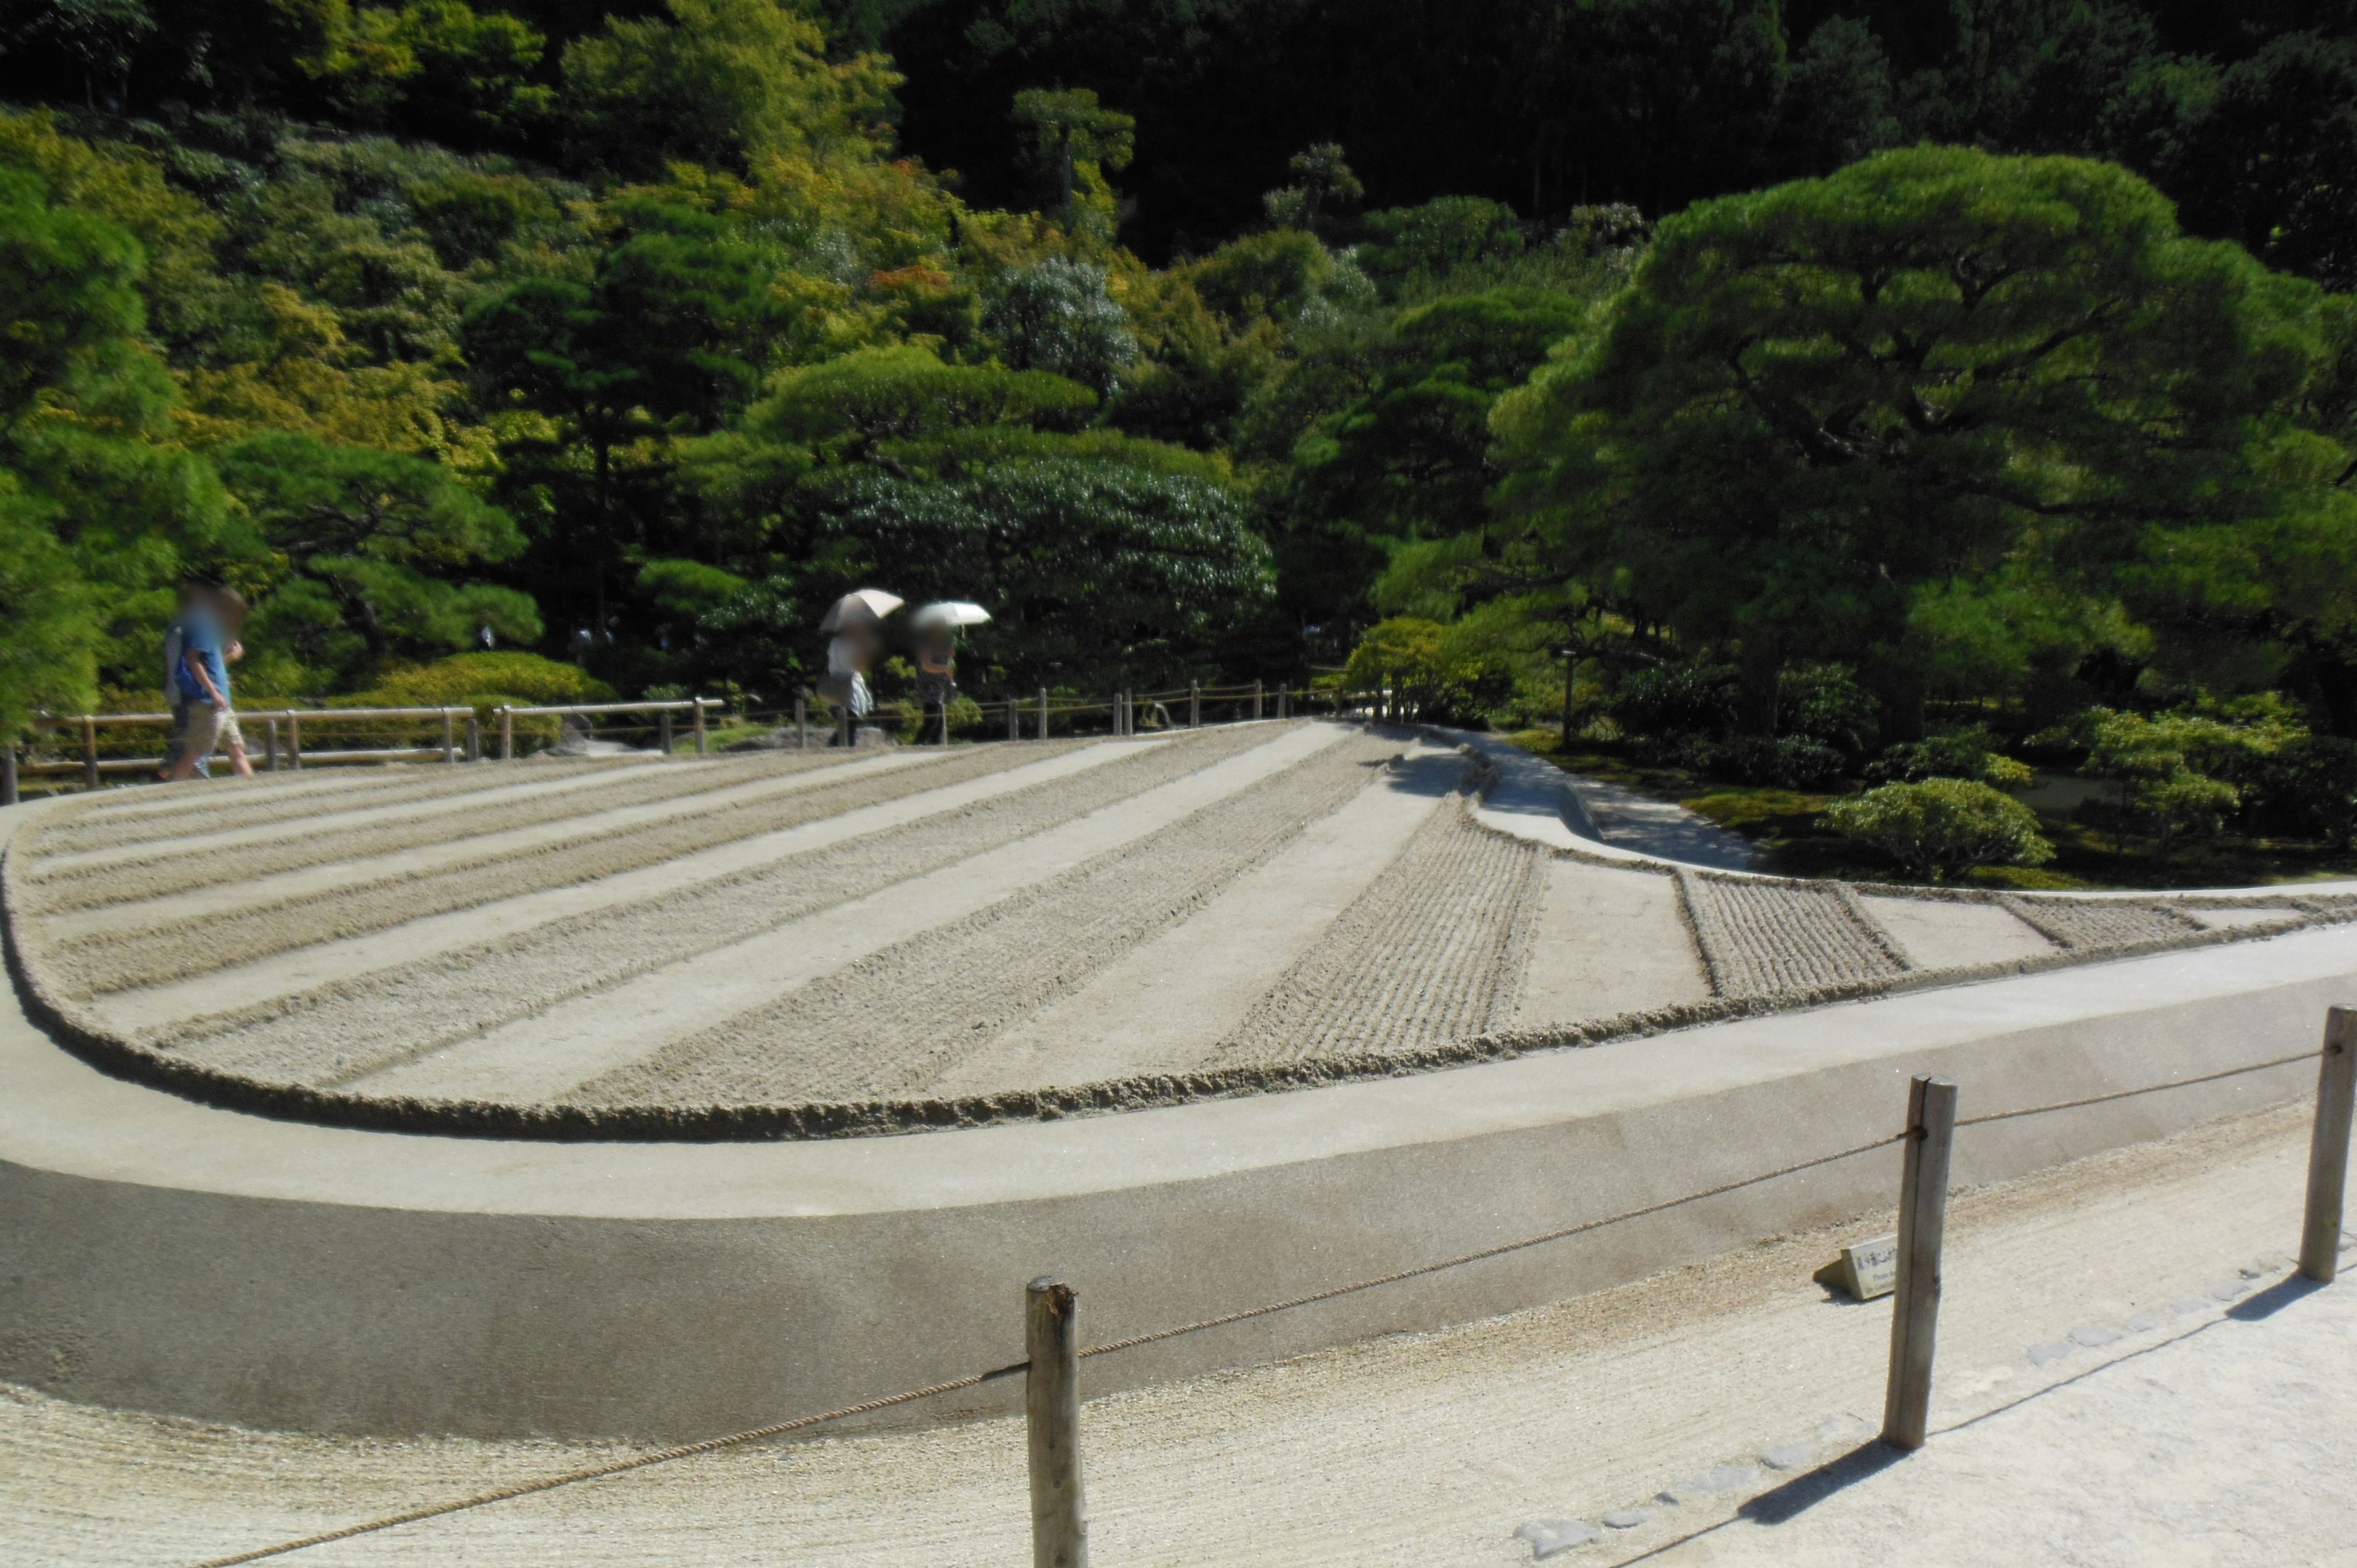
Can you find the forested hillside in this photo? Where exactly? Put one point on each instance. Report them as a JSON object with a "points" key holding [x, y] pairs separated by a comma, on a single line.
{"points": [[1464, 346]]}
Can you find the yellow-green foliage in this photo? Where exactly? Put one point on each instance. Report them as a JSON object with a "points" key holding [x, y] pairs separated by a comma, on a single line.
{"points": [[483, 681]]}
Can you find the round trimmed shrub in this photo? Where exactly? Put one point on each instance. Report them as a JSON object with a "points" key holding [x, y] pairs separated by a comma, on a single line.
{"points": [[1942, 827]]}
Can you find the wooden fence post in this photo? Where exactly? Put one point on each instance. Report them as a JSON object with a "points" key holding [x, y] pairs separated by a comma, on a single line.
{"points": [[90, 751], [474, 735], [294, 742], [1194, 704], [2328, 1149], [449, 736], [1015, 718], [1285, 699], [507, 733], [8, 774], [1051, 1410], [1256, 699], [801, 721], [663, 731], [1922, 1223], [701, 737], [1043, 712]]}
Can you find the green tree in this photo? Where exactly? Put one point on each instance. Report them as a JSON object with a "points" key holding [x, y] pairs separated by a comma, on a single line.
{"points": [[371, 540], [1818, 406], [1091, 570], [1071, 143]]}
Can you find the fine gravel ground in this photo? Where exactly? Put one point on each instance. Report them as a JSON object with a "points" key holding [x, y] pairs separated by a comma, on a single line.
{"points": [[1760, 939], [1432, 952], [2092, 924], [1609, 942], [96, 878], [2120, 1383], [1175, 998], [1936, 931], [346, 1032], [896, 1022], [124, 961], [228, 804]]}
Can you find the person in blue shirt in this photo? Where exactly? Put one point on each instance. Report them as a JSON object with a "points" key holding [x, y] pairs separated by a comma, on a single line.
{"points": [[175, 632], [201, 681]]}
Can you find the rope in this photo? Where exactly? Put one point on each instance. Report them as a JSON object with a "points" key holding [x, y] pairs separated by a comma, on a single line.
{"points": [[2131, 1094], [571, 1478], [1497, 1252]]}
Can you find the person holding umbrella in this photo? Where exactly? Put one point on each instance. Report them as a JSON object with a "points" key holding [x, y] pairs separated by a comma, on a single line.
{"points": [[937, 627], [856, 625]]}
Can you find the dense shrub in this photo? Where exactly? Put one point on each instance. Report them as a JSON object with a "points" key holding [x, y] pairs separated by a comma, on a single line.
{"points": [[1942, 827], [484, 681], [1674, 700], [1965, 754], [1825, 704]]}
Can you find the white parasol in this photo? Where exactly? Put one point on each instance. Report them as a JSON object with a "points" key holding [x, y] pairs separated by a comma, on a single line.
{"points": [[867, 603], [950, 612]]}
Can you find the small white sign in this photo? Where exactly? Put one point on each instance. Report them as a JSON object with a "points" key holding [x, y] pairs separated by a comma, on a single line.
{"points": [[1866, 1269]]}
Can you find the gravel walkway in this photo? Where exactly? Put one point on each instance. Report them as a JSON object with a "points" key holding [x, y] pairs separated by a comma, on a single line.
{"points": [[2196, 1416], [895, 1022]]}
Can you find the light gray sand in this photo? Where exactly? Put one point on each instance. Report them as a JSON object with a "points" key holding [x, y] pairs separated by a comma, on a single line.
{"points": [[1760, 939], [2094, 924], [1171, 1000], [122, 960], [1432, 952], [247, 992], [425, 1007], [1939, 932], [893, 1022], [2222, 1447], [1609, 942]]}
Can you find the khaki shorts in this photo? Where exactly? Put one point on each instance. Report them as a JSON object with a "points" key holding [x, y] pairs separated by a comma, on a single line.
{"points": [[207, 724], [229, 737]]}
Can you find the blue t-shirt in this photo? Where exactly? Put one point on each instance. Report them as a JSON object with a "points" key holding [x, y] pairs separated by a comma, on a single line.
{"points": [[200, 635]]}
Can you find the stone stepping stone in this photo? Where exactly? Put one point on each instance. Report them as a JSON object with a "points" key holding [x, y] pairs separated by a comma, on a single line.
{"points": [[2093, 1336], [1626, 1519], [2052, 1350], [1789, 1456]]}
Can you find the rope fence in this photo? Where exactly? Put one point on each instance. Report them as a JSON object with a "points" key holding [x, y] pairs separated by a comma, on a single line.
{"points": [[1051, 1403]]}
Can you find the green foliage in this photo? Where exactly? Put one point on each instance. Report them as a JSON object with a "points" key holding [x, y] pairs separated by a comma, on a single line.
{"points": [[719, 83], [1960, 754], [1941, 828], [1819, 406], [1092, 570], [361, 532], [484, 681], [1436, 238], [2165, 765], [1070, 144], [1057, 316]]}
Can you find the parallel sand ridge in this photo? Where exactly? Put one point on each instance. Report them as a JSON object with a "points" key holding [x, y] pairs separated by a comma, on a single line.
{"points": [[792, 945]]}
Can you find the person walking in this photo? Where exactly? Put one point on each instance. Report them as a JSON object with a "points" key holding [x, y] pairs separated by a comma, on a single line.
{"points": [[202, 681], [176, 634]]}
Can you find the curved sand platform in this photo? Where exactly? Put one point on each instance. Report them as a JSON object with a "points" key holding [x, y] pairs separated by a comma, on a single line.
{"points": [[794, 945], [1337, 904]]}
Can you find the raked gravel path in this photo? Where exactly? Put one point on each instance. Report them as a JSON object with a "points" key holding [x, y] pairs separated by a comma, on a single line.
{"points": [[2123, 1379]]}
